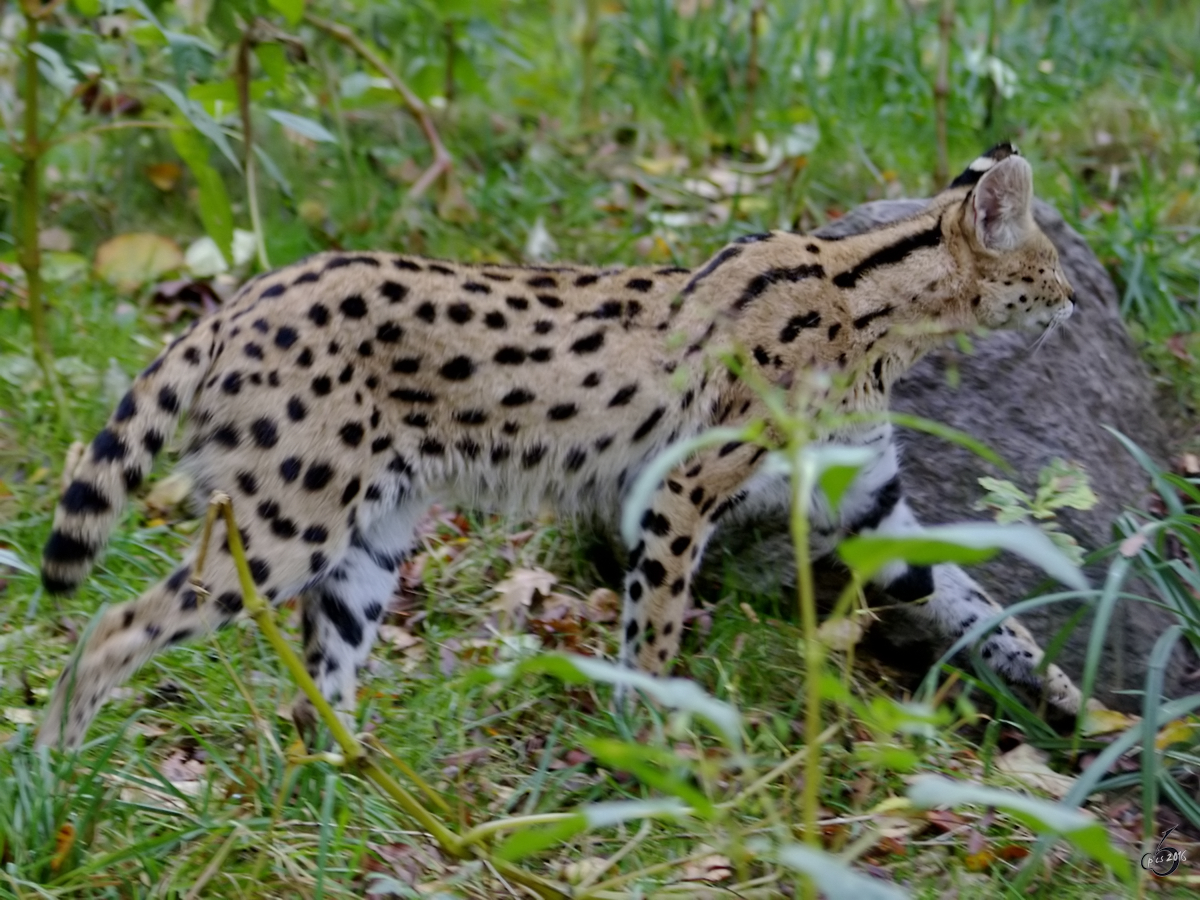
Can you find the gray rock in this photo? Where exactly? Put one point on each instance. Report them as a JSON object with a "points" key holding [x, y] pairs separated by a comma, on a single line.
{"points": [[1030, 407]]}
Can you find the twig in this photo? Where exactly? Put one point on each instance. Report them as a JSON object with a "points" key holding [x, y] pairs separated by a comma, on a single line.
{"points": [[442, 161], [242, 77], [941, 92], [752, 74]]}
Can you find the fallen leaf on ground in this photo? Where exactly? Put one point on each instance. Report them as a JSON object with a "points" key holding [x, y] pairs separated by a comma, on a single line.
{"points": [[129, 260], [1027, 764], [168, 494], [519, 589], [711, 868]]}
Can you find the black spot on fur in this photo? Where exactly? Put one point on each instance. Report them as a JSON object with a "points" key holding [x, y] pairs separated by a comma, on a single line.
{"points": [[864, 320], [351, 491], [470, 417], [495, 321], [517, 303], [575, 459], [290, 468], [248, 483], [152, 441], [260, 570], [458, 369], [127, 408], [406, 365], [285, 337], [623, 396], [533, 456], [342, 618], [315, 534], [389, 333], [393, 291], [509, 356], [264, 432], [460, 313], [227, 436], [517, 397], [542, 281], [409, 395], [230, 603], [296, 409], [796, 324], [680, 545], [322, 385], [563, 411], [319, 313], [654, 571], [107, 447], [352, 433], [648, 425], [639, 284], [591, 379], [317, 476], [589, 344], [759, 283], [427, 312], [353, 307], [431, 447], [543, 326]]}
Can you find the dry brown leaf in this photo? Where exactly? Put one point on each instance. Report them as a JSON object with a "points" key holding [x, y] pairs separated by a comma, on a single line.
{"points": [[603, 605], [520, 588], [1027, 765], [164, 176], [399, 638], [130, 260]]}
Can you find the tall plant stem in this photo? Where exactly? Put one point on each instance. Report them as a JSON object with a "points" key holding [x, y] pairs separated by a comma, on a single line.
{"points": [[802, 487], [243, 91], [29, 254], [587, 57]]}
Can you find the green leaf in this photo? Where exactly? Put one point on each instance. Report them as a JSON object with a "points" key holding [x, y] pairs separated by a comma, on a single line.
{"points": [[534, 838], [89, 7], [836, 467], [833, 878], [1042, 816], [54, 68], [677, 693], [201, 120], [652, 766], [292, 10], [946, 433], [314, 131], [10, 559], [216, 213], [965, 543], [273, 60]]}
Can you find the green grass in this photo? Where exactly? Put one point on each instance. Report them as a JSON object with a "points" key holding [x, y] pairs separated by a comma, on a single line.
{"points": [[1103, 106]]}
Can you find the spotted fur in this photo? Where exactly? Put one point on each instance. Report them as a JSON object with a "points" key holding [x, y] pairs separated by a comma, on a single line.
{"points": [[336, 398]]}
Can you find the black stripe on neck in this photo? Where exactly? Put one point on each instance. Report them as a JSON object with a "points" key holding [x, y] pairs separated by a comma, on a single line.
{"points": [[892, 254]]}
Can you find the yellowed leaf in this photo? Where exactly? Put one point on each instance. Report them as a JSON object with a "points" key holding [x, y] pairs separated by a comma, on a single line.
{"points": [[129, 260], [664, 165], [603, 605], [164, 176], [1106, 721], [1178, 732]]}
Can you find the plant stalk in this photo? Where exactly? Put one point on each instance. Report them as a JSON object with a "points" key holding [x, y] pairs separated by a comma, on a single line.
{"points": [[29, 253], [802, 487], [242, 78], [941, 92]]}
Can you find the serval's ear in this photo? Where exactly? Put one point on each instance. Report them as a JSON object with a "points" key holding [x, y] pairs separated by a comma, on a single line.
{"points": [[1003, 204]]}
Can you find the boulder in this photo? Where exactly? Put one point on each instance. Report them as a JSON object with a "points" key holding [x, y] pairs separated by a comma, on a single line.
{"points": [[1030, 406]]}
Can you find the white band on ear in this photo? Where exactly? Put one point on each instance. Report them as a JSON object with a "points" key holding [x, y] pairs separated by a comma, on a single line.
{"points": [[1003, 204]]}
